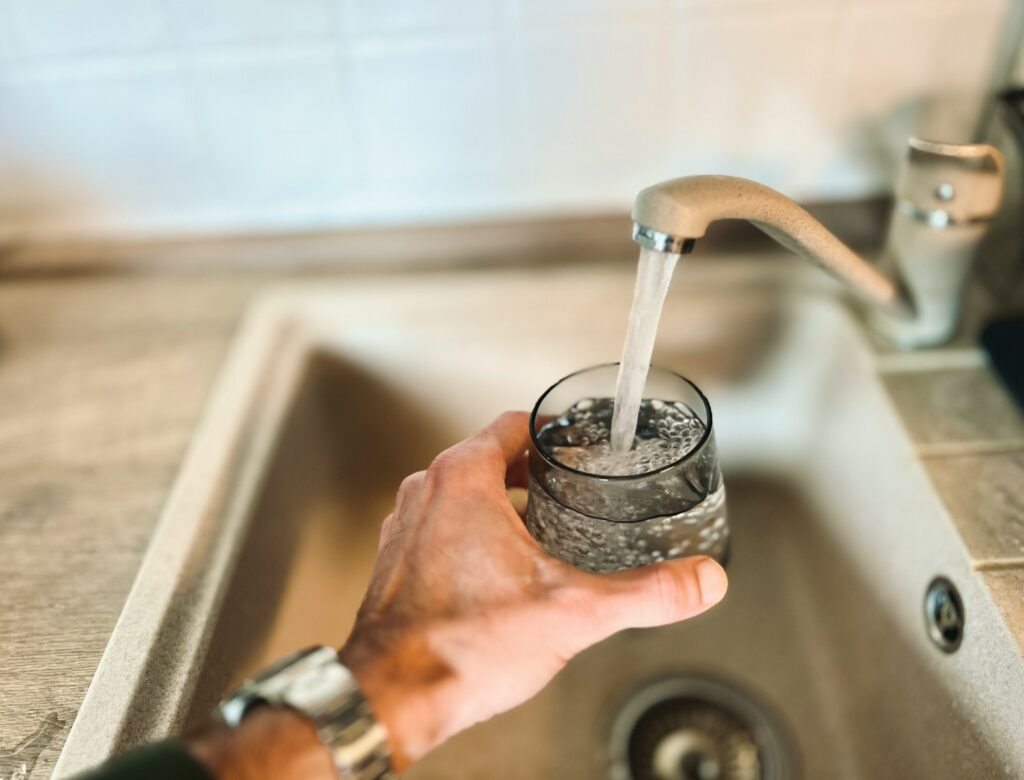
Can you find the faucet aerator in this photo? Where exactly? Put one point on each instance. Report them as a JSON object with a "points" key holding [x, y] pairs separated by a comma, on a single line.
{"points": [[649, 238]]}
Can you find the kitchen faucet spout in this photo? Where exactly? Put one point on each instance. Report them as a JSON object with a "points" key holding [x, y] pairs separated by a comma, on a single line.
{"points": [[947, 195]]}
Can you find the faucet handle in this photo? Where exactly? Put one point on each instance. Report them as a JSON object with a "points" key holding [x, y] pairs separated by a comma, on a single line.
{"points": [[947, 195], [949, 184]]}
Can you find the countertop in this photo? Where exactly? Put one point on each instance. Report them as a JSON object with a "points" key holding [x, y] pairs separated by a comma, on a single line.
{"points": [[102, 382], [103, 378]]}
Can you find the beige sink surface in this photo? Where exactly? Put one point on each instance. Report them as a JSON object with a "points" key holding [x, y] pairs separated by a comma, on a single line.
{"points": [[333, 394]]}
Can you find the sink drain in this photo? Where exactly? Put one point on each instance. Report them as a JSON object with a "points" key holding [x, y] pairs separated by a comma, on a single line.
{"points": [[696, 728]]}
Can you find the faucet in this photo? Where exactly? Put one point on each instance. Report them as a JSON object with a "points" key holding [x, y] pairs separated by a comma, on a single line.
{"points": [[946, 197]]}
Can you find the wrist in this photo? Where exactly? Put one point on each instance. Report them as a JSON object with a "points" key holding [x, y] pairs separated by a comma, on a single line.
{"points": [[270, 742], [407, 687]]}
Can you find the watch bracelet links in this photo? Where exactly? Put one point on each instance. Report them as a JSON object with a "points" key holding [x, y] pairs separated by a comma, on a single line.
{"points": [[314, 683], [358, 743]]}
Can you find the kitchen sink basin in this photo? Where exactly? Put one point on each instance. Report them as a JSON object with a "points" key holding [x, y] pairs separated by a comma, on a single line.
{"points": [[334, 393]]}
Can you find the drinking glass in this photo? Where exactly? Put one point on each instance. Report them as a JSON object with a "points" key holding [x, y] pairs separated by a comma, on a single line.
{"points": [[670, 504]]}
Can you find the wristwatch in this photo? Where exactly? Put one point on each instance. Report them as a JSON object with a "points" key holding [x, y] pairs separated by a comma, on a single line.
{"points": [[316, 684]]}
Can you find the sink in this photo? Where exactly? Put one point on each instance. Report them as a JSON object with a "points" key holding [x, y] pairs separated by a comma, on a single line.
{"points": [[334, 392]]}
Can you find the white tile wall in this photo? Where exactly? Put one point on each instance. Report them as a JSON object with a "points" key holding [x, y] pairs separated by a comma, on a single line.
{"points": [[433, 124], [213, 22], [940, 56], [370, 17], [571, 15], [9, 49], [592, 111], [49, 28], [277, 131], [779, 105], [104, 147], [156, 115]]}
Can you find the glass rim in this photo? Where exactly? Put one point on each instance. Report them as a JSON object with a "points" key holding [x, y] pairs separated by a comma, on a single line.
{"points": [[620, 477]]}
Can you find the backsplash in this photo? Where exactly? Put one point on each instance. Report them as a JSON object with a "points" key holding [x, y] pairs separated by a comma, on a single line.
{"points": [[184, 116]]}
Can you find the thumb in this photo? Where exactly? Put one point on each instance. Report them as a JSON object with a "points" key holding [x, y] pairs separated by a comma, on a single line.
{"points": [[657, 595]]}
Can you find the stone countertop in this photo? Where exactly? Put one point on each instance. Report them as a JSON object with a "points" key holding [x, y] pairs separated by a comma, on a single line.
{"points": [[103, 378], [102, 381]]}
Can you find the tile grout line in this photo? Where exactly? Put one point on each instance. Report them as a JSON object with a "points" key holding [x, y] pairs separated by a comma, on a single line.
{"points": [[955, 449], [998, 564], [962, 359]]}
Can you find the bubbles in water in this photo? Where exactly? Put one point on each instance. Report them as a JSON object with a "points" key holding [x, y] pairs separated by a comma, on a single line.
{"points": [[572, 526], [581, 438], [600, 545]]}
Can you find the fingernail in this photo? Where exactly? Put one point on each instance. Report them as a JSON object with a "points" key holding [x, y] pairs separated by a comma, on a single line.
{"points": [[713, 582]]}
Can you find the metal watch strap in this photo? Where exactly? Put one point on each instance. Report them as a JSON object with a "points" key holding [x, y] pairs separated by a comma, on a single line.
{"points": [[315, 683]]}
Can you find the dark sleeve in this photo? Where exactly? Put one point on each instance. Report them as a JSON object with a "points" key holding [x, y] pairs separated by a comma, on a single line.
{"points": [[163, 761]]}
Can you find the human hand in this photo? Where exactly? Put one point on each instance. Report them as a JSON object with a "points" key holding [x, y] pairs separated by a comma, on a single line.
{"points": [[467, 616]]}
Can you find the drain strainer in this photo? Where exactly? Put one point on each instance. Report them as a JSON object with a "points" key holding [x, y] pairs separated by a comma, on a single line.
{"points": [[695, 728]]}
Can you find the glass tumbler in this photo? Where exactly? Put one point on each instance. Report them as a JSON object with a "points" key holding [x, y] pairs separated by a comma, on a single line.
{"points": [[604, 511]]}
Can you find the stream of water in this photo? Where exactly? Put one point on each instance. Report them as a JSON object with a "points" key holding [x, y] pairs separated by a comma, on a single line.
{"points": [[654, 274], [673, 508]]}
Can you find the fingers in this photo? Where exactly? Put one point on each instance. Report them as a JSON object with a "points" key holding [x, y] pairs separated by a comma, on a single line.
{"points": [[656, 595], [518, 473], [408, 495], [494, 451], [508, 436], [409, 492]]}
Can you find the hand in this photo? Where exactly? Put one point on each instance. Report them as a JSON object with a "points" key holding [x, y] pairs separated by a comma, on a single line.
{"points": [[466, 615]]}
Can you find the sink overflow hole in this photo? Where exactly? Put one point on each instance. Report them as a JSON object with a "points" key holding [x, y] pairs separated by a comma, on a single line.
{"points": [[944, 614]]}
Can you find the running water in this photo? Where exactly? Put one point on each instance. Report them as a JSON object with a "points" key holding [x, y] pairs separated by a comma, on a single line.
{"points": [[629, 481], [653, 276]]}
